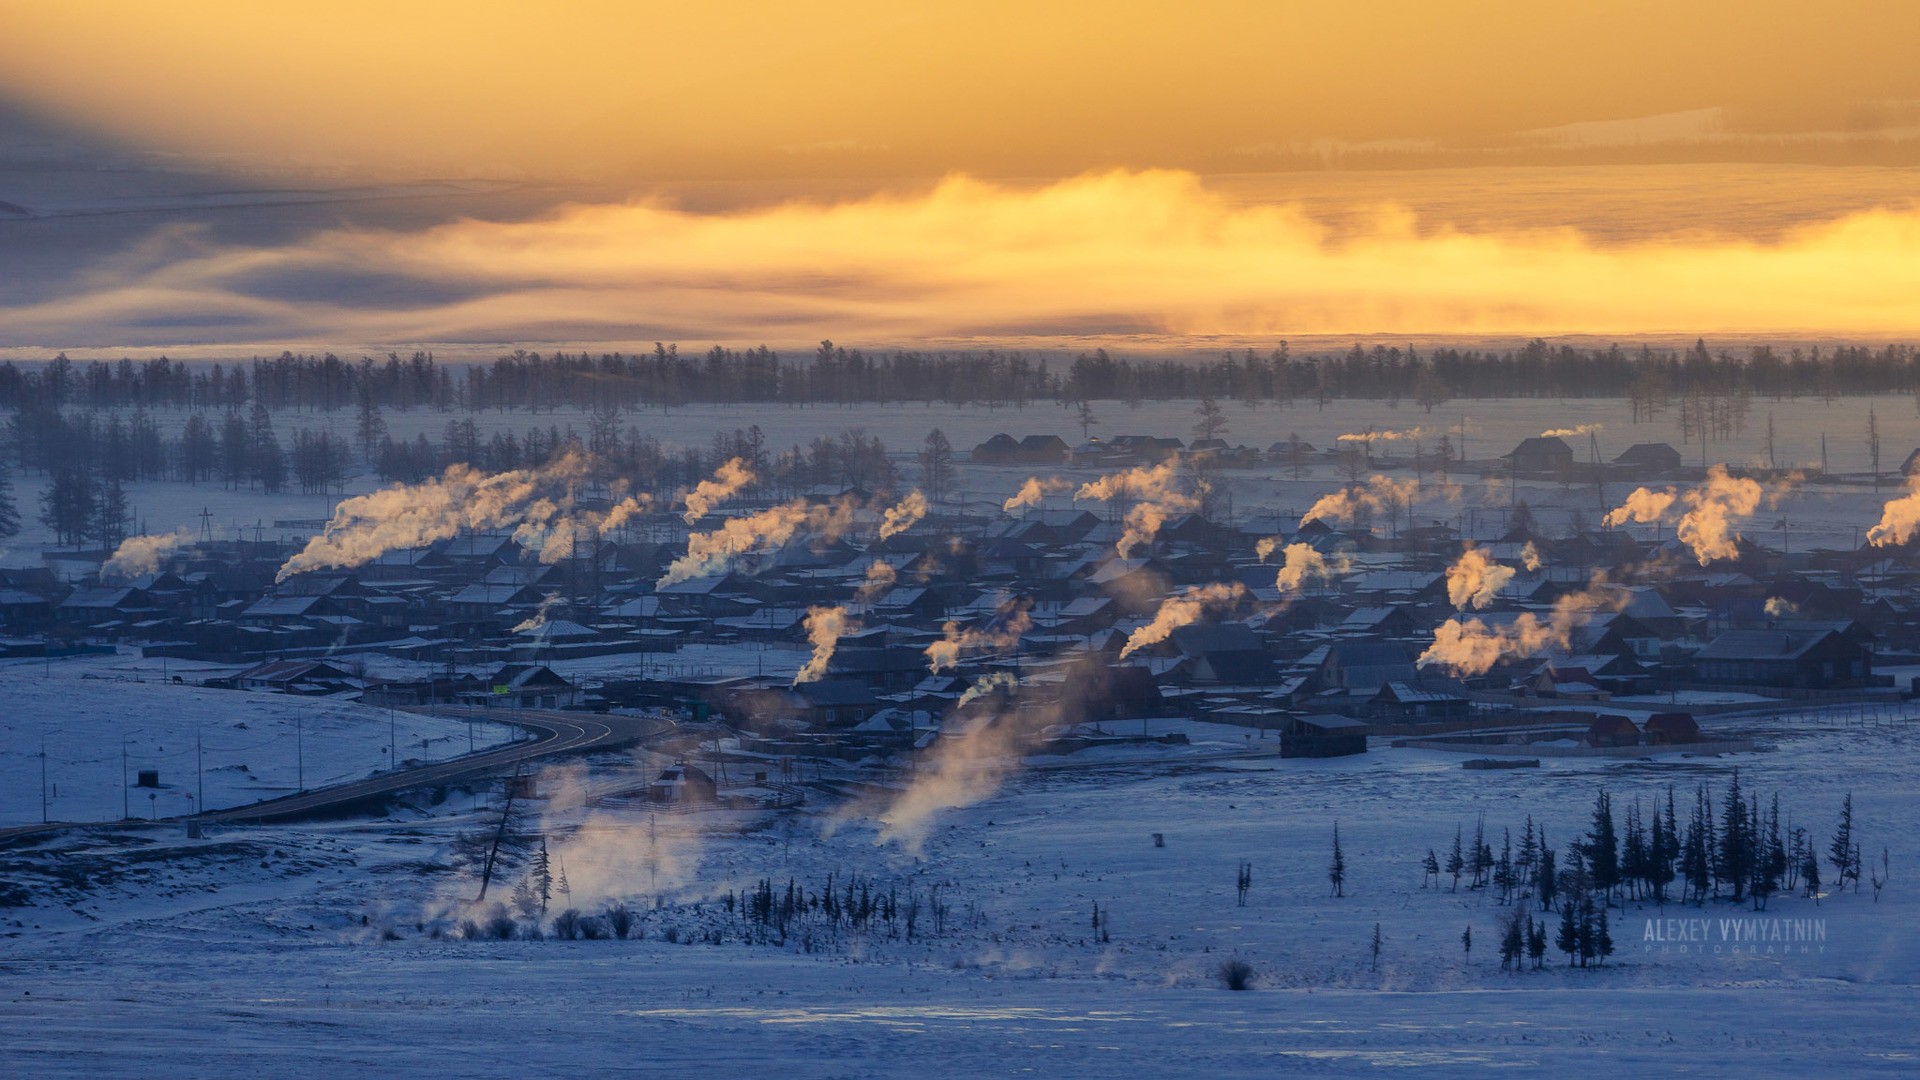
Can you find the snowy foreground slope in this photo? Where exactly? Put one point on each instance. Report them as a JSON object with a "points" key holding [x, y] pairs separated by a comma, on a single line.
{"points": [[311, 950], [101, 720]]}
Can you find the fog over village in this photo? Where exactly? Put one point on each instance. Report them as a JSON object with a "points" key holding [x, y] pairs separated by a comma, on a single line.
{"points": [[663, 574]]}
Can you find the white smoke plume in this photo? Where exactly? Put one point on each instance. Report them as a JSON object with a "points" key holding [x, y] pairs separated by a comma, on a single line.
{"points": [[880, 579], [711, 553], [1304, 564], [138, 555], [1713, 511], [1780, 607], [1643, 507], [1154, 499], [1572, 432], [960, 770], [903, 516], [727, 482], [626, 510], [1265, 546], [825, 626], [1475, 580], [997, 682], [539, 618], [1530, 558], [1383, 436], [1179, 611], [1899, 518], [1472, 648], [1381, 494], [945, 653], [410, 515], [1034, 490]]}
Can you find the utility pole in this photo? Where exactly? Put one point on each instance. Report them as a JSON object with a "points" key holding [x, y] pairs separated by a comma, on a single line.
{"points": [[43, 779], [199, 772], [300, 749], [126, 810], [393, 740]]}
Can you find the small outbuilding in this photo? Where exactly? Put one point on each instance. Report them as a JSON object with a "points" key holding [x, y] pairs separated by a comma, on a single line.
{"points": [[1671, 729], [683, 785], [1612, 729], [1323, 735], [1542, 454]]}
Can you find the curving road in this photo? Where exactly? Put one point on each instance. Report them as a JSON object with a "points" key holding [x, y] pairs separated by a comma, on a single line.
{"points": [[554, 733]]}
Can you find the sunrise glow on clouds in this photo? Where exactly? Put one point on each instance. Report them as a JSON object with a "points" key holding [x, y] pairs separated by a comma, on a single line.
{"points": [[1135, 252]]}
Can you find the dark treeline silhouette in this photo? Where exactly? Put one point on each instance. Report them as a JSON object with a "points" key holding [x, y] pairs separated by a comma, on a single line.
{"points": [[666, 377]]}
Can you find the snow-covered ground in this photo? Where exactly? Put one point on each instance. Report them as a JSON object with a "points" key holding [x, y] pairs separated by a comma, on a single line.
{"points": [[260, 951], [238, 747]]}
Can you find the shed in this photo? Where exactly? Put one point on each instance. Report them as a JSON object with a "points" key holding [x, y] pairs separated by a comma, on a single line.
{"points": [[683, 785], [1541, 454], [1612, 729], [1323, 735], [1671, 729]]}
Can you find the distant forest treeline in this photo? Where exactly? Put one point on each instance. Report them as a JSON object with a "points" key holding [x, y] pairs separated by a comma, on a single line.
{"points": [[666, 377]]}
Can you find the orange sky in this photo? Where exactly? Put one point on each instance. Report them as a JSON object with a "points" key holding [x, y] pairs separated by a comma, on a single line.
{"points": [[884, 88], [1086, 148]]}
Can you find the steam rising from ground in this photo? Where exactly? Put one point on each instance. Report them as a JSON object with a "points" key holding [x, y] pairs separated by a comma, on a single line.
{"points": [[139, 555], [959, 771], [1179, 611], [1475, 580], [1153, 496], [825, 625], [1033, 491], [727, 482], [903, 516]]}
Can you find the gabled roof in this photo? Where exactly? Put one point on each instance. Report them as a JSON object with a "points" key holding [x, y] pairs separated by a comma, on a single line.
{"points": [[1551, 445], [1765, 644]]}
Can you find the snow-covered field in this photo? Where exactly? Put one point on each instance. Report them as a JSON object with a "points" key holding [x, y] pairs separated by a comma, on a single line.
{"points": [[239, 747], [260, 951], [1822, 515]]}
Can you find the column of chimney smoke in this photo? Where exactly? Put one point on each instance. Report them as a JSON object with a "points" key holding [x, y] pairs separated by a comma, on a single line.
{"points": [[1033, 491], [1178, 611], [1475, 580], [1154, 499], [1709, 526], [1899, 518], [945, 654], [1302, 563], [1468, 648], [903, 516], [1380, 494], [537, 503], [879, 582], [727, 482], [825, 627]]}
